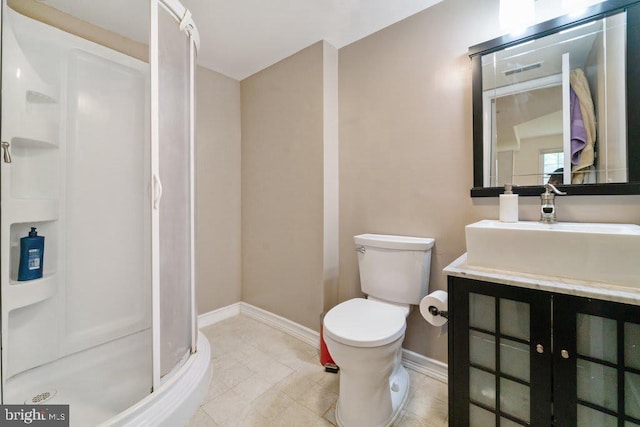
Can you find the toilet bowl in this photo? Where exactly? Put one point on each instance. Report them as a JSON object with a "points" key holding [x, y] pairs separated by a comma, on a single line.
{"points": [[364, 338]]}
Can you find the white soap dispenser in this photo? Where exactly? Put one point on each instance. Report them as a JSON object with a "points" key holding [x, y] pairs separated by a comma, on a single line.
{"points": [[508, 205]]}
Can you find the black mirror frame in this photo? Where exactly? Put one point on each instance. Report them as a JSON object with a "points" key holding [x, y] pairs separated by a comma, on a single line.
{"points": [[595, 12]]}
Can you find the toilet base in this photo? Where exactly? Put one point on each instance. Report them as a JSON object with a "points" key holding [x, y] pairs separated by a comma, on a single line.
{"points": [[399, 386], [399, 398]]}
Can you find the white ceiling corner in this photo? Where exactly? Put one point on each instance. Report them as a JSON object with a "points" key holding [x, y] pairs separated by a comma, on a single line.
{"points": [[242, 37]]}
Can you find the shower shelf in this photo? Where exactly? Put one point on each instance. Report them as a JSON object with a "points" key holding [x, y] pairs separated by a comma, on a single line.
{"points": [[22, 294], [36, 124], [36, 97], [30, 210], [34, 130]]}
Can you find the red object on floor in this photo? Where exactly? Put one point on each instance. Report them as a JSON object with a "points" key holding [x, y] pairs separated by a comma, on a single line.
{"points": [[325, 357]]}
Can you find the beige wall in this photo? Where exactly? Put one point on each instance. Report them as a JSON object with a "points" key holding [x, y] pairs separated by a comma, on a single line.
{"points": [[217, 190], [282, 187], [331, 185], [405, 146]]}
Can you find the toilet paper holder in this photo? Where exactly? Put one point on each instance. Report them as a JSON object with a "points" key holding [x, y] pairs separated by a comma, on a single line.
{"points": [[436, 312]]}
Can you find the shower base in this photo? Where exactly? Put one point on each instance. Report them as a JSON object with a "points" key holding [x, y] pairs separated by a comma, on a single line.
{"points": [[96, 384], [111, 384]]}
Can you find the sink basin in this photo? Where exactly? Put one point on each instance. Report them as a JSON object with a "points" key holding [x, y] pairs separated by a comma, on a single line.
{"points": [[606, 253]]}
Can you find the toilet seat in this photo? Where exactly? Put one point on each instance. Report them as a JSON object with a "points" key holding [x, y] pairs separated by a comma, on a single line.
{"points": [[364, 323]]}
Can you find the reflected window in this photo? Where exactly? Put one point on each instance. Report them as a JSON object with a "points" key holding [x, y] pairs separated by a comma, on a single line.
{"points": [[551, 163]]}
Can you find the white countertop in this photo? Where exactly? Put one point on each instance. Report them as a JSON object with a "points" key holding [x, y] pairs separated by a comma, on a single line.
{"points": [[581, 288]]}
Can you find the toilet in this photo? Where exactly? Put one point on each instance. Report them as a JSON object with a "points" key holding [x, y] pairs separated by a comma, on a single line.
{"points": [[364, 336]]}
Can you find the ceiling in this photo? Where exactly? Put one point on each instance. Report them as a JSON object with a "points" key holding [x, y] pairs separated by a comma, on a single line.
{"points": [[241, 37]]}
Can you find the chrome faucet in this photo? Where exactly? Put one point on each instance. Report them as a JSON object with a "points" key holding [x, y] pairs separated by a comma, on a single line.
{"points": [[548, 208]]}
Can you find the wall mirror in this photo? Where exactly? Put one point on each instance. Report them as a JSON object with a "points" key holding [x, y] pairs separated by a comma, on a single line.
{"points": [[560, 104]]}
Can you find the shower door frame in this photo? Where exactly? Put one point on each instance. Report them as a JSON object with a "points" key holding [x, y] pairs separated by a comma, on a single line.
{"points": [[183, 18]]}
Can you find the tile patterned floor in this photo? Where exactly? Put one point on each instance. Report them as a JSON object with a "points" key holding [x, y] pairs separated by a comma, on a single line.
{"points": [[264, 377]]}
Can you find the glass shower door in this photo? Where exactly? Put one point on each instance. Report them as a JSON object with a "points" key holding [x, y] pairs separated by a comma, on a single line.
{"points": [[173, 186]]}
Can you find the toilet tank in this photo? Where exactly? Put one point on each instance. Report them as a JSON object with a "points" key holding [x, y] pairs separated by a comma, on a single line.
{"points": [[394, 268]]}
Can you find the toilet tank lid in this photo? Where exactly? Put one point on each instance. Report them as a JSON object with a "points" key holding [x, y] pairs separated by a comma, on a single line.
{"points": [[394, 242]]}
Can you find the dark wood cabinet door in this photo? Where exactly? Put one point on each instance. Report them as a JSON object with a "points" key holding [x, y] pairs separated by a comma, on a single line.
{"points": [[596, 363], [500, 355]]}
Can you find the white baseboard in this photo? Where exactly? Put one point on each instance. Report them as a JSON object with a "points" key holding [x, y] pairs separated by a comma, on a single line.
{"points": [[294, 329], [425, 365], [411, 360], [215, 316]]}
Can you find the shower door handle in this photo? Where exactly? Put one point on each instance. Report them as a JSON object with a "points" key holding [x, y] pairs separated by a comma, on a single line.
{"points": [[157, 191], [5, 151]]}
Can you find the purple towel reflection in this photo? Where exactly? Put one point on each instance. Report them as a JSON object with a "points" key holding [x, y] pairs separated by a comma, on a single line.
{"points": [[578, 132]]}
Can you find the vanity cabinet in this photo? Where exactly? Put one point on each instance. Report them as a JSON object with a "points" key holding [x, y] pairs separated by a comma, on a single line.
{"points": [[521, 356]]}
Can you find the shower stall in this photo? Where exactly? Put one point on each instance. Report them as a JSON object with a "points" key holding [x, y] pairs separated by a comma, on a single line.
{"points": [[97, 131]]}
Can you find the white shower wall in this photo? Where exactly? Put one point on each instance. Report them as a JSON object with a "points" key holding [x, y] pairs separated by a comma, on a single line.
{"points": [[107, 266], [81, 175]]}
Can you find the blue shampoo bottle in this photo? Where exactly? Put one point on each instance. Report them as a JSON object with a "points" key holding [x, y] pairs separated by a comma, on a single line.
{"points": [[31, 253]]}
